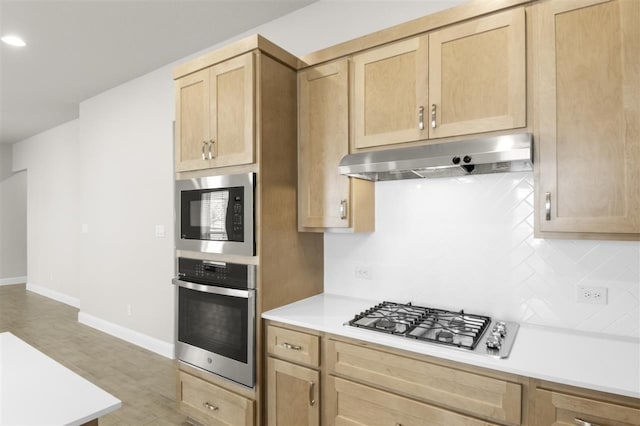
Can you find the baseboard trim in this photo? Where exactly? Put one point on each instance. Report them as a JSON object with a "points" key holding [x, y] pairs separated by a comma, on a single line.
{"points": [[55, 295], [13, 280], [150, 343]]}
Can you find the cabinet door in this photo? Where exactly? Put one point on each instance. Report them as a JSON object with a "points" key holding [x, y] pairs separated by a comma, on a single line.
{"points": [[390, 94], [192, 121], [232, 93], [587, 59], [292, 394], [477, 76], [556, 408], [323, 123]]}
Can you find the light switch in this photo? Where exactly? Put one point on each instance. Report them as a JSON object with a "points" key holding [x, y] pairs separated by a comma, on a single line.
{"points": [[85, 228], [160, 231]]}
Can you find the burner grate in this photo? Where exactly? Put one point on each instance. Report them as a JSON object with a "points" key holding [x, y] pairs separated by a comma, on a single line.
{"points": [[434, 325]]}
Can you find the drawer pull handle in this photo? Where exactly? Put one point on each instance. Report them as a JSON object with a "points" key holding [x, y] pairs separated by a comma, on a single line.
{"points": [[312, 400], [433, 116], [547, 206], [581, 422], [209, 406], [421, 118], [343, 209], [204, 146], [292, 347], [211, 144]]}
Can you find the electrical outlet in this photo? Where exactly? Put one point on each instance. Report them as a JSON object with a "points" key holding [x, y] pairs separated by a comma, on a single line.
{"points": [[594, 295], [362, 272]]}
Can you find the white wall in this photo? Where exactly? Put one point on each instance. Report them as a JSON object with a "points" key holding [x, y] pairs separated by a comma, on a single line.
{"points": [[5, 161], [126, 156], [51, 163], [468, 243], [13, 229]]}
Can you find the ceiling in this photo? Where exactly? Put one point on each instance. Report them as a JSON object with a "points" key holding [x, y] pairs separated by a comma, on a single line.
{"points": [[79, 48]]}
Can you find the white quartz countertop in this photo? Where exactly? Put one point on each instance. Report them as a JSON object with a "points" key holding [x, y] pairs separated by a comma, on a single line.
{"points": [[36, 390], [586, 360]]}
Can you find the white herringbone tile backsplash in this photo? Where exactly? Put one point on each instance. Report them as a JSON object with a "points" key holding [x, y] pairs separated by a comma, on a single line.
{"points": [[468, 243]]}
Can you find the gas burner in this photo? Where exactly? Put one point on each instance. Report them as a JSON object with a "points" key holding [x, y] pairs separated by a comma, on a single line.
{"points": [[455, 329], [444, 336]]}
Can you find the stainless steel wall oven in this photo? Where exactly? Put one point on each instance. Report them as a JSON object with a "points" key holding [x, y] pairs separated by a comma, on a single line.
{"points": [[216, 316]]}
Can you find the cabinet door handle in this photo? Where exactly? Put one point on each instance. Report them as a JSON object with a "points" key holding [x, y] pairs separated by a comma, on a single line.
{"points": [[581, 422], [211, 142], [210, 406], [312, 400], [204, 145], [292, 347], [547, 206], [433, 116], [343, 209], [421, 118]]}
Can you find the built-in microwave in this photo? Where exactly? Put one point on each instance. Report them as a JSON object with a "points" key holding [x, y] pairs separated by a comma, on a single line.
{"points": [[215, 214]]}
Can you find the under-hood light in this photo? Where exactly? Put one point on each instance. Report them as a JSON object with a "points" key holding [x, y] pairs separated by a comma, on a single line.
{"points": [[13, 40]]}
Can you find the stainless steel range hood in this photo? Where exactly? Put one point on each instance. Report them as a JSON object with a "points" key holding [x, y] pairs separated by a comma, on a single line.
{"points": [[509, 153]]}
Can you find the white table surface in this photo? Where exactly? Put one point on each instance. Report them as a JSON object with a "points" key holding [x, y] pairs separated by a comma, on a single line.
{"points": [[587, 360], [36, 390]]}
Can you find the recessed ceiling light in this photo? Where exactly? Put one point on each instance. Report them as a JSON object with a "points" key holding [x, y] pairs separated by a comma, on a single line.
{"points": [[13, 40]]}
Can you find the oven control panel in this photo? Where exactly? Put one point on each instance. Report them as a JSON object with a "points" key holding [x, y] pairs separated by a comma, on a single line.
{"points": [[215, 273]]}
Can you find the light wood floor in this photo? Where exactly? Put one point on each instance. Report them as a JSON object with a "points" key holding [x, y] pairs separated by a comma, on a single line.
{"points": [[142, 380]]}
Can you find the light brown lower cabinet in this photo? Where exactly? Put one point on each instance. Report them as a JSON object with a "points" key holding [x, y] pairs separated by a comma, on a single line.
{"points": [[361, 383], [212, 405], [559, 408], [294, 394]]}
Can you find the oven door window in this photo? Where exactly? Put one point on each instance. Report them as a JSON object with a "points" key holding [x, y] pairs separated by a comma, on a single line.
{"points": [[213, 322], [212, 214]]}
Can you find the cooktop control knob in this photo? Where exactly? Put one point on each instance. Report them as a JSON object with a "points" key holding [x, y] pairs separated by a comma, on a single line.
{"points": [[494, 342], [455, 160], [466, 159], [500, 328]]}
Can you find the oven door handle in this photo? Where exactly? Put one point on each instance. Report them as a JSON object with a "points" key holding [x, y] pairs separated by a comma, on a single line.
{"points": [[224, 291]]}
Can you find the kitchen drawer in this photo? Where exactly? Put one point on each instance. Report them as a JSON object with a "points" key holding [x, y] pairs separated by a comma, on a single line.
{"points": [[293, 345], [349, 403], [558, 408], [212, 405], [478, 395]]}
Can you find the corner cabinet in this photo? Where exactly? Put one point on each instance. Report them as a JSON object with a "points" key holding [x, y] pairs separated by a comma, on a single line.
{"points": [[587, 117], [325, 198], [215, 116], [463, 79]]}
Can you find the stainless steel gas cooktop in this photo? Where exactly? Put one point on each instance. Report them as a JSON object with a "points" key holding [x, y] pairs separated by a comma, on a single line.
{"points": [[460, 330]]}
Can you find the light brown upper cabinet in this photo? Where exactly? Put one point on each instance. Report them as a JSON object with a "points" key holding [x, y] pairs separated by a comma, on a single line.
{"points": [[215, 116], [587, 117], [390, 94], [477, 76], [325, 198], [464, 79]]}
